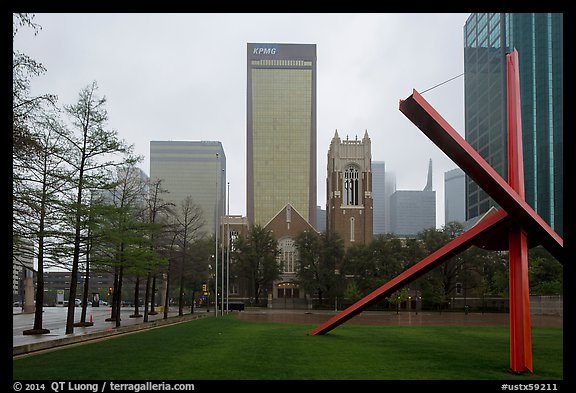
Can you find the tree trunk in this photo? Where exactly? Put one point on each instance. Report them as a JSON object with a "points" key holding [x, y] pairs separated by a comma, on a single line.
{"points": [[136, 299], [114, 308], [39, 289], [120, 274], [146, 295], [167, 297], [192, 306], [181, 295], [153, 296], [85, 294]]}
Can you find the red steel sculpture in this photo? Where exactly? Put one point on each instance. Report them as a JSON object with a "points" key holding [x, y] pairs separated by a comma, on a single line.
{"points": [[516, 221]]}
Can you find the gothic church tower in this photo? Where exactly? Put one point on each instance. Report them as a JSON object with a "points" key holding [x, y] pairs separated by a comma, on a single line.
{"points": [[349, 205]]}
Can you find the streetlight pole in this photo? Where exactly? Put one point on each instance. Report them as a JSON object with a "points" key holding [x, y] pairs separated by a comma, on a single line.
{"points": [[228, 250], [222, 261], [216, 238], [208, 286]]}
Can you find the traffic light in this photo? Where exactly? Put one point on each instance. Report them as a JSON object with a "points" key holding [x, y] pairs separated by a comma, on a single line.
{"points": [[204, 287], [109, 291]]}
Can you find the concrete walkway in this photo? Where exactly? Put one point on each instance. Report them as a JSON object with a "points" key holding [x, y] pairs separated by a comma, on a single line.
{"points": [[54, 319]]}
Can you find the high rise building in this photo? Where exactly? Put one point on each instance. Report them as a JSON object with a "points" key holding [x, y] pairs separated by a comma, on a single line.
{"points": [[349, 204], [412, 211], [389, 189], [22, 268], [379, 196], [192, 168], [454, 196], [320, 219], [131, 190], [281, 130], [538, 38]]}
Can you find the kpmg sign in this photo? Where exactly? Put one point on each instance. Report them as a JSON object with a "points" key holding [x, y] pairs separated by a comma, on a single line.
{"points": [[264, 49]]}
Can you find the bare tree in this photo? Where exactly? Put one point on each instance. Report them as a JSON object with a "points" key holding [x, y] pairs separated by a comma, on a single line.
{"points": [[41, 184], [127, 232], [188, 222], [155, 206], [256, 258], [93, 150], [25, 106]]}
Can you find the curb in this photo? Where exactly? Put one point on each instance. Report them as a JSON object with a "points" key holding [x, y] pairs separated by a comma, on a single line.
{"points": [[29, 349]]}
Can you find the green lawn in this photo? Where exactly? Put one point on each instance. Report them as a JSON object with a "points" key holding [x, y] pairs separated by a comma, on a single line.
{"points": [[226, 348]]}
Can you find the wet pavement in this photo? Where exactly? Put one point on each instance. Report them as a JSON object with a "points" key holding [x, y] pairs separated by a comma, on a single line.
{"points": [[54, 319], [403, 318]]}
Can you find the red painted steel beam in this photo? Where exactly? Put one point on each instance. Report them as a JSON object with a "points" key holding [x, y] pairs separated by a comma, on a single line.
{"points": [[429, 121], [483, 228], [519, 303], [519, 299], [515, 151]]}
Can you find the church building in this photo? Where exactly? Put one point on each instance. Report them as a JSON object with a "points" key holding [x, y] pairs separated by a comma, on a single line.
{"points": [[349, 205]]}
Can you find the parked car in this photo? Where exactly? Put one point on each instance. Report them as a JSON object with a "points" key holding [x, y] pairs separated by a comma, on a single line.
{"points": [[78, 302]]}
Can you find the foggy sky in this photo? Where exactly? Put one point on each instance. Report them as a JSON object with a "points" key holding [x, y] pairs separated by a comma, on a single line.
{"points": [[183, 77]]}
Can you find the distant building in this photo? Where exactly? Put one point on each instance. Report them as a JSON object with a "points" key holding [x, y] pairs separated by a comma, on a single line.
{"points": [[349, 205], [22, 267], [389, 189], [538, 38], [286, 226], [412, 211], [320, 219], [191, 168], [281, 130], [379, 196], [234, 226], [454, 196], [99, 282], [132, 188]]}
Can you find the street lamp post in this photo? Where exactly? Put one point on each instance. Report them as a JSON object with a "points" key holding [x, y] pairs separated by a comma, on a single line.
{"points": [[222, 246], [216, 238], [228, 250], [208, 275]]}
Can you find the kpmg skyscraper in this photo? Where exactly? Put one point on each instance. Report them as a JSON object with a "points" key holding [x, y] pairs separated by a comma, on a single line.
{"points": [[538, 38], [281, 130]]}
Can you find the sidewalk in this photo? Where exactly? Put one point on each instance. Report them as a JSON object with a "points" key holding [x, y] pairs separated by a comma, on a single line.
{"points": [[54, 319]]}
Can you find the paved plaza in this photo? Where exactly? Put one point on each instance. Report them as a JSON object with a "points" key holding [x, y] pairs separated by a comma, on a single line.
{"points": [[54, 319], [403, 318]]}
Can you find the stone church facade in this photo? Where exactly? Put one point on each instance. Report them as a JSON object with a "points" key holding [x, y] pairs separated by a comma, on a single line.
{"points": [[285, 227], [349, 205]]}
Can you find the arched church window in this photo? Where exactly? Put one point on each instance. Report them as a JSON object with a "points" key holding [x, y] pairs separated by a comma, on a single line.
{"points": [[288, 255], [351, 186]]}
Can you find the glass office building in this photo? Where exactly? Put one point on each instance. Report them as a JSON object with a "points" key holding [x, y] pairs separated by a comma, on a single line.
{"points": [[191, 168], [379, 196], [454, 197], [412, 211], [281, 130], [538, 38]]}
